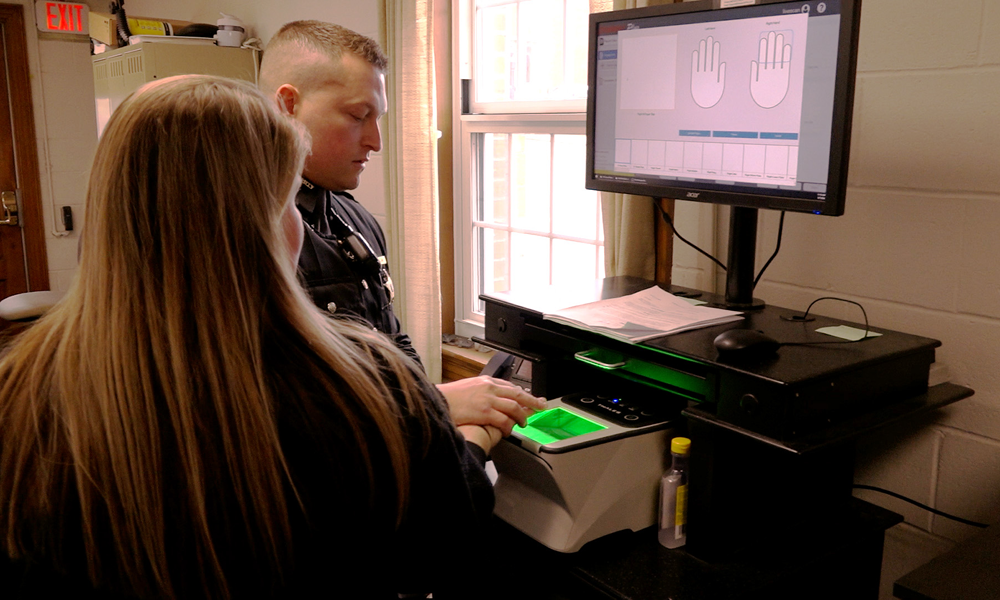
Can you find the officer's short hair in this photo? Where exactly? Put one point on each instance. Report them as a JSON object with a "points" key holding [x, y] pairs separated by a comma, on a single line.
{"points": [[332, 40]]}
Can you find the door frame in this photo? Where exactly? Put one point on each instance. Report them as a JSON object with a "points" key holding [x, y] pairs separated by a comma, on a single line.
{"points": [[25, 149]]}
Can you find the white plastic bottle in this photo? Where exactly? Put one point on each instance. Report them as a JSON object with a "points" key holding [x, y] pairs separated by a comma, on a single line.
{"points": [[673, 496]]}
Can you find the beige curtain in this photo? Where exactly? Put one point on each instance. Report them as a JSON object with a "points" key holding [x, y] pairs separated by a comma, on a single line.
{"points": [[410, 132], [629, 238]]}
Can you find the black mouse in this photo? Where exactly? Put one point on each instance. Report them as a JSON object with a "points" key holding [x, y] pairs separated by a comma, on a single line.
{"points": [[745, 343]]}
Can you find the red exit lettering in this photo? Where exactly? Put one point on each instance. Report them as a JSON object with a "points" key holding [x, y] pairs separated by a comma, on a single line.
{"points": [[61, 16]]}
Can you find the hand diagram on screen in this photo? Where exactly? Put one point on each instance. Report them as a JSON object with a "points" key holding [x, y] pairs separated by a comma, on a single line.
{"points": [[708, 76], [770, 72]]}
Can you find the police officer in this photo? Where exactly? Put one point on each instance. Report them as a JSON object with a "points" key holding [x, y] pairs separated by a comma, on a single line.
{"points": [[332, 80]]}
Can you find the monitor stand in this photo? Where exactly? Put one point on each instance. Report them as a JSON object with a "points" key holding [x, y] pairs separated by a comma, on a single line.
{"points": [[742, 252]]}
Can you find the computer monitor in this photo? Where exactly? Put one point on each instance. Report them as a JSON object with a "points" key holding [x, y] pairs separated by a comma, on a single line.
{"points": [[739, 102]]}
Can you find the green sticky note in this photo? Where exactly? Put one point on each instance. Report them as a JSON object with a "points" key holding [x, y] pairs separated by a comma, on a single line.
{"points": [[845, 332]]}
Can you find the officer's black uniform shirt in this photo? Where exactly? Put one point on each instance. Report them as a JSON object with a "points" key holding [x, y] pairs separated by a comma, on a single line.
{"points": [[332, 280]]}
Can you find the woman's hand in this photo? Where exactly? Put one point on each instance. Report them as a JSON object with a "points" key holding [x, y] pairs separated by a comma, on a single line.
{"points": [[484, 436], [489, 401]]}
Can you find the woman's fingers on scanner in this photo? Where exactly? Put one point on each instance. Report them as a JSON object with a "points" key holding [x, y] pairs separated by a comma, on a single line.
{"points": [[509, 390], [512, 410]]}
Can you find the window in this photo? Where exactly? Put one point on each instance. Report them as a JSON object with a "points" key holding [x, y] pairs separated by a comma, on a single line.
{"points": [[523, 217]]}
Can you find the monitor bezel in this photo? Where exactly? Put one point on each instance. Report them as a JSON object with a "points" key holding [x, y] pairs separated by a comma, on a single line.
{"points": [[761, 198]]}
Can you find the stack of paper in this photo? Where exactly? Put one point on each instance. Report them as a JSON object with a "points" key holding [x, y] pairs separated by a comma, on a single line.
{"points": [[644, 315]]}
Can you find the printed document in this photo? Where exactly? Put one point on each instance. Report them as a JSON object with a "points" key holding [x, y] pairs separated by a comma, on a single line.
{"points": [[644, 315]]}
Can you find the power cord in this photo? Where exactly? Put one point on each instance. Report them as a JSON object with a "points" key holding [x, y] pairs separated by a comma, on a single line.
{"points": [[804, 318], [872, 488], [777, 246], [670, 222]]}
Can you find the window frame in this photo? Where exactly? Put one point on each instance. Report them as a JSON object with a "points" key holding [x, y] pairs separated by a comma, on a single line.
{"points": [[566, 117], [470, 49], [467, 321]]}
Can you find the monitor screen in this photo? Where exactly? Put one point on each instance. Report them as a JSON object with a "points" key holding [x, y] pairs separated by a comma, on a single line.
{"points": [[729, 101]]}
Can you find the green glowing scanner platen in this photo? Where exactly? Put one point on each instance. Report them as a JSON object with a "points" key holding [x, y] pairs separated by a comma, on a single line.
{"points": [[580, 420], [557, 424]]}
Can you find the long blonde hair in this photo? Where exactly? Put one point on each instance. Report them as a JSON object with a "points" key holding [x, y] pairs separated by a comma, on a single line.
{"points": [[160, 373]]}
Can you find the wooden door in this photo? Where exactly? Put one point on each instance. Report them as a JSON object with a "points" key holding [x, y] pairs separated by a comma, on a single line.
{"points": [[13, 274], [23, 264]]}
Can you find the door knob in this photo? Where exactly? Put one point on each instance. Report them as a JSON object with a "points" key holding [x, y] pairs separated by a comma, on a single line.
{"points": [[9, 202]]}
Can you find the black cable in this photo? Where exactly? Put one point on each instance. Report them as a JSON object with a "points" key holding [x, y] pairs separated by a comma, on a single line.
{"points": [[859, 486], [777, 246], [117, 8], [670, 222], [805, 317]]}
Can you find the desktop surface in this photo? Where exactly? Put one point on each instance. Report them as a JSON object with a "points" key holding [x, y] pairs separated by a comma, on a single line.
{"points": [[796, 390], [809, 361], [969, 571]]}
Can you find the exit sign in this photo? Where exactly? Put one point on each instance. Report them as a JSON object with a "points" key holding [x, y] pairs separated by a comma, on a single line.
{"points": [[62, 17]]}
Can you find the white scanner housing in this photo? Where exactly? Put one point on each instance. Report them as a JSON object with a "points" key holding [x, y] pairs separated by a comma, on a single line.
{"points": [[568, 492]]}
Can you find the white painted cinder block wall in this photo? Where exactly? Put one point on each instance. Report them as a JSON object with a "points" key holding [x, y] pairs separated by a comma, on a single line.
{"points": [[918, 247]]}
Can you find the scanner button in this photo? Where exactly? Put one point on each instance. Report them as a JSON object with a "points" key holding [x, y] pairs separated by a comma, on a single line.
{"points": [[750, 404], [631, 417], [586, 400]]}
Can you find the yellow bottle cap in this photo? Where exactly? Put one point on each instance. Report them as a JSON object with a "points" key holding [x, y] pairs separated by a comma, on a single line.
{"points": [[680, 445]]}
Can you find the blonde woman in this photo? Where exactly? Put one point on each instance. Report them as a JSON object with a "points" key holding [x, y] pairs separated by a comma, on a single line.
{"points": [[186, 424]]}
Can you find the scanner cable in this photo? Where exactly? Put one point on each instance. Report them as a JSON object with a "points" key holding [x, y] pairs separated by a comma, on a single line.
{"points": [[669, 221], [859, 486]]}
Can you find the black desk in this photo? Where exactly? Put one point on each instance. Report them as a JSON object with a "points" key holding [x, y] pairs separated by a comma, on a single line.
{"points": [[772, 452], [633, 566], [799, 390], [969, 571], [794, 485]]}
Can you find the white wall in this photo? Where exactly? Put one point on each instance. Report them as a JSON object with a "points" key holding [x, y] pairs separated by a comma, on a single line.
{"points": [[62, 93], [63, 98], [918, 247]]}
